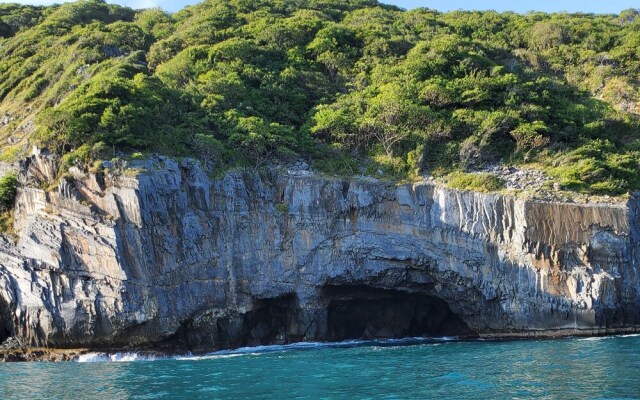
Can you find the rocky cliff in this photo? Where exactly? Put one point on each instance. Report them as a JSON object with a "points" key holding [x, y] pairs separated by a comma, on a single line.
{"points": [[160, 254]]}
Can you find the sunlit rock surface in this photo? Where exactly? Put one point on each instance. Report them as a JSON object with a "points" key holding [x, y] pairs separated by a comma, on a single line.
{"points": [[160, 254]]}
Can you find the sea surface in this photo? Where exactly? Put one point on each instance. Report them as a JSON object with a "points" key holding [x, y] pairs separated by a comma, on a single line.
{"points": [[574, 368]]}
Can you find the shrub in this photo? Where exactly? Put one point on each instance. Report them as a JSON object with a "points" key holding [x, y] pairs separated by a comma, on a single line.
{"points": [[8, 189], [6, 222], [477, 182]]}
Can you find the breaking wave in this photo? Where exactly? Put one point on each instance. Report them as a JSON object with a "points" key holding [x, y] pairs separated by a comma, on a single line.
{"points": [[257, 350], [597, 338]]}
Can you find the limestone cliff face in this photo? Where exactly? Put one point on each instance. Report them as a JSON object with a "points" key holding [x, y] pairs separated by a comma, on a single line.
{"points": [[162, 254]]}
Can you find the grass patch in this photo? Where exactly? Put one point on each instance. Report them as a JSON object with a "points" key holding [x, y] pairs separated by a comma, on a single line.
{"points": [[476, 182], [384, 166], [6, 223], [13, 153], [598, 168]]}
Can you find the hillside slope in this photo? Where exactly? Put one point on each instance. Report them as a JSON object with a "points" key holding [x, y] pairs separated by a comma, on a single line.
{"points": [[356, 87]]}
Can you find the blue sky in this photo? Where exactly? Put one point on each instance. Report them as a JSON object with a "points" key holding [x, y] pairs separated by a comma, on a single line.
{"points": [[589, 6]]}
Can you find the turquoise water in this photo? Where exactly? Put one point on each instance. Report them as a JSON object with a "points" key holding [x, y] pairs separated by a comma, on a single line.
{"points": [[598, 368]]}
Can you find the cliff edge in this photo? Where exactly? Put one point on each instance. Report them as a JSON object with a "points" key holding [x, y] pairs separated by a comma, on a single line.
{"points": [[160, 255]]}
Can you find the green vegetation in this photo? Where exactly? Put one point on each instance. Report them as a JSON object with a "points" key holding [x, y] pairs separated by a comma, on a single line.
{"points": [[353, 86], [476, 182], [282, 208], [8, 188]]}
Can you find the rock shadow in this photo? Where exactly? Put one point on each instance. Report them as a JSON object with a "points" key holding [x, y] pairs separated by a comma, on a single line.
{"points": [[6, 326]]}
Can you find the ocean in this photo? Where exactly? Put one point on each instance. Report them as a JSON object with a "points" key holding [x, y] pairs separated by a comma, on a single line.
{"points": [[571, 368]]}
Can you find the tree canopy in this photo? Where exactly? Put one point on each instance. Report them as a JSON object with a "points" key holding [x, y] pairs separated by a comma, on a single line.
{"points": [[353, 86]]}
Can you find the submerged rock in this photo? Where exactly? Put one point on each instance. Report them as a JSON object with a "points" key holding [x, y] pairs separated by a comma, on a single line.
{"points": [[161, 255]]}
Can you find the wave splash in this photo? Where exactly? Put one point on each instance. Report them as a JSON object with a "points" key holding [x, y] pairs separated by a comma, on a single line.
{"points": [[116, 357], [598, 338], [257, 350]]}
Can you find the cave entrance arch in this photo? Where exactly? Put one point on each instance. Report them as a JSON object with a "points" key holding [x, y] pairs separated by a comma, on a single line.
{"points": [[271, 321], [363, 312]]}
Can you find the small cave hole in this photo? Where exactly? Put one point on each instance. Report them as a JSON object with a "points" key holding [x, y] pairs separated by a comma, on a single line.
{"points": [[271, 321]]}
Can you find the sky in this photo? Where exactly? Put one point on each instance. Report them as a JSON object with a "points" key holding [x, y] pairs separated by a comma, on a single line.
{"points": [[587, 6]]}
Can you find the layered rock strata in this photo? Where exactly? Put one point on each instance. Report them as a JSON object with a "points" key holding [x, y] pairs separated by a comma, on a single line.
{"points": [[159, 254]]}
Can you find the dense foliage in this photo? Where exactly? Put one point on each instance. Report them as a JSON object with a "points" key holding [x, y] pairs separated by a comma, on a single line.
{"points": [[8, 191], [355, 86], [8, 188]]}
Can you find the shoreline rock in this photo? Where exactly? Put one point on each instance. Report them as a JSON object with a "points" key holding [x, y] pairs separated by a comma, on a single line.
{"points": [[146, 353]]}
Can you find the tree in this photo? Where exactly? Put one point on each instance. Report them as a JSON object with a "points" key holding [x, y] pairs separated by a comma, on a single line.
{"points": [[209, 149], [259, 141], [547, 34], [629, 15], [392, 117], [155, 22], [336, 47]]}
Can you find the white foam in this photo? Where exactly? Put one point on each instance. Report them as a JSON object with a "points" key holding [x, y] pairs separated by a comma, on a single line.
{"points": [[115, 357], [211, 356], [597, 338], [258, 350], [92, 357], [630, 335]]}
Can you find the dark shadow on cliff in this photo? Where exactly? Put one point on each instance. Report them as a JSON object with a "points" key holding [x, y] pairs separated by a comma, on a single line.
{"points": [[269, 321], [6, 327], [361, 312]]}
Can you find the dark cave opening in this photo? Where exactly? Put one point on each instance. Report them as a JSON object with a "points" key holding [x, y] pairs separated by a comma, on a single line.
{"points": [[267, 321], [339, 313], [271, 321], [6, 328], [361, 312]]}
